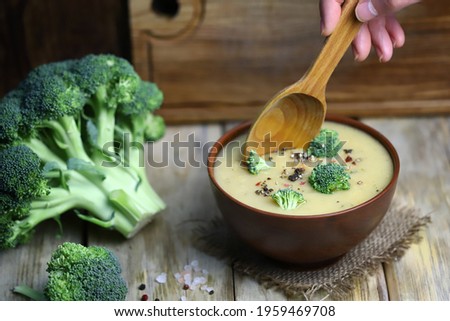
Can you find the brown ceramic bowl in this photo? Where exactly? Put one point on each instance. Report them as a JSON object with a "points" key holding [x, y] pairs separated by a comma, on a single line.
{"points": [[312, 240]]}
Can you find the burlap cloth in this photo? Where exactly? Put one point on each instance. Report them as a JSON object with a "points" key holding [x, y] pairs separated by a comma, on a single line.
{"points": [[388, 242]]}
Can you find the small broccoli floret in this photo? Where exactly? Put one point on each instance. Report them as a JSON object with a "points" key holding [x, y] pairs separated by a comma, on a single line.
{"points": [[255, 163], [328, 178], [55, 129], [57, 96], [148, 98], [288, 199], [79, 273], [140, 121], [10, 110], [108, 82], [155, 127], [325, 144], [20, 174]]}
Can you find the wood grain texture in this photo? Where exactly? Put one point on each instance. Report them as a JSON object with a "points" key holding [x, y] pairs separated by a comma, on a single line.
{"points": [[242, 52], [33, 32], [424, 182], [166, 244]]}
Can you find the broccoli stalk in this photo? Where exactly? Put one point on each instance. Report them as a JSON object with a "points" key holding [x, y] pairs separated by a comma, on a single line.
{"points": [[255, 163], [79, 273], [288, 199], [58, 127], [330, 177]]}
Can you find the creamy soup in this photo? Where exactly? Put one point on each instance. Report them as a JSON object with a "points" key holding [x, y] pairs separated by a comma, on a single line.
{"points": [[369, 165]]}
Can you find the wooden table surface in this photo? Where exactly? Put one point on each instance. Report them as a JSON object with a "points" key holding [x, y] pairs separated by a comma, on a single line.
{"points": [[166, 245]]}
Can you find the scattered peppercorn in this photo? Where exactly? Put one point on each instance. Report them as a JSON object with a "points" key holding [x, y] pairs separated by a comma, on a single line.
{"points": [[156, 299], [300, 157], [293, 177], [348, 151], [297, 174], [185, 287], [144, 297], [265, 190], [141, 287], [348, 159], [211, 292]]}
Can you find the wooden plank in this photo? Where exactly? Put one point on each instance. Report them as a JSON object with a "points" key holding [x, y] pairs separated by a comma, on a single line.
{"points": [[166, 245], [27, 264], [221, 60], [39, 31], [423, 145], [177, 115]]}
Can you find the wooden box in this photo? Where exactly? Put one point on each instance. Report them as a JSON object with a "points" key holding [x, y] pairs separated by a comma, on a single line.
{"points": [[222, 60]]}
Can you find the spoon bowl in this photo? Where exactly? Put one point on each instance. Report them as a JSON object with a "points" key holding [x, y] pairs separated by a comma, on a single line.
{"points": [[278, 127], [293, 117]]}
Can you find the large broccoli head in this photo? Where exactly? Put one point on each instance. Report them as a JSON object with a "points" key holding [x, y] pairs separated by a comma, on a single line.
{"points": [[78, 273], [58, 125]]}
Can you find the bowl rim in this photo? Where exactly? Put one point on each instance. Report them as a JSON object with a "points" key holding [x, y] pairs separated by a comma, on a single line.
{"points": [[245, 126]]}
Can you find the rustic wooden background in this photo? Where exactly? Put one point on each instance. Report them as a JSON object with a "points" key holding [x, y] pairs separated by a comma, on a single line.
{"points": [[33, 32], [221, 60]]}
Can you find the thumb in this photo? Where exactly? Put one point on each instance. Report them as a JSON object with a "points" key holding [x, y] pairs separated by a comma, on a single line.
{"points": [[369, 9]]}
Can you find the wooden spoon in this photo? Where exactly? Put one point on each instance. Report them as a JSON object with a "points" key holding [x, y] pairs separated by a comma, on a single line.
{"points": [[294, 116]]}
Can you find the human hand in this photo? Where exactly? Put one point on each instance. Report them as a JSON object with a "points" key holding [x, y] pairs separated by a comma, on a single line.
{"points": [[380, 27]]}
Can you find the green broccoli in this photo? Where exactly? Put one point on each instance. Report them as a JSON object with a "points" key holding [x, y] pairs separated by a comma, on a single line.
{"points": [[288, 199], [255, 163], [71, 138], [330, 177], [325, 144], [79, 273]]}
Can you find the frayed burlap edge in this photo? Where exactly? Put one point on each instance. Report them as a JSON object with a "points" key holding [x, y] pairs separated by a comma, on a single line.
{"points": [[388, 242]]}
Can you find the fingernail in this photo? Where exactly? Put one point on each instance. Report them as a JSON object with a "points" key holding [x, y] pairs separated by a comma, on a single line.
{"points": [[322, 28], [355, 55], [381, 58], [366, 11]]}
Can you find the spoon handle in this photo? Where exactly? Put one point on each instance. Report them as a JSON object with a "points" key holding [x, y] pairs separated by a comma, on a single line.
{"points": [[335, 47]]}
